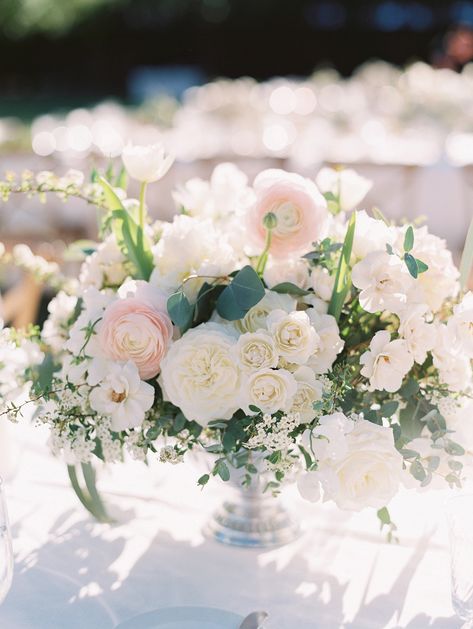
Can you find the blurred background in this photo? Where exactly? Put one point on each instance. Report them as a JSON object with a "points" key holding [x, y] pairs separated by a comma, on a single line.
{"points": [[385, 87]]}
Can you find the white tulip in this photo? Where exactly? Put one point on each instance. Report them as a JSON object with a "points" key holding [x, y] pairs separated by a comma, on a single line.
{"points": [[146, 163], [345, 184]]}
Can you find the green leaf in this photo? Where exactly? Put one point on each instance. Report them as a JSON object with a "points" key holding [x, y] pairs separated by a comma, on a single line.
{"points": [[389, 249], [456, 466], [389, 408], [417, 470], [411, 264], [409, 239], [112, 200], [222, 470], [180, 310], [288, 288], [383, 516], [343, 277], [45, 374], [379, 215], [422, 267], [454, 449], [88, 497], [244, 292], [203, 480], [254, 409], [408, 454], [467, 258], [122, 179], [134, 243]]}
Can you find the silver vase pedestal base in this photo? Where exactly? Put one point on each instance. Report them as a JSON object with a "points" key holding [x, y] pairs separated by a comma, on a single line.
{"points": [[253, 520]]}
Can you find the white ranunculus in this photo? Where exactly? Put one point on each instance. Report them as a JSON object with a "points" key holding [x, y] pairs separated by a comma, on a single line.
{"points": [[322, 282], [270, 390], [371, 234], [256, 317], [189, 246], [370, 473], [345, 184], [462, 323], [256, 350], [122, 396], [453, 365], [440, 281], [386, 362], [419, 335], [384, 282], [329, 343], [146, 163], [294, 270], [309, 390], [294, 336], [199, 374]]}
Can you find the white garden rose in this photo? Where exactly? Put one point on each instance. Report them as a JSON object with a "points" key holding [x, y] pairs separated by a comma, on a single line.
{"points": [[371, 234], [294, 270], [345, 184], [294, 336], [384, 282], [122, 396], [328, 439], [453, 365], [419, 335], [256, 350], [256, 317], [329, 342], [386, 362], [322, 282], [200, 375], [369, 474], [462, 323], [309, 390], [270, 390]]}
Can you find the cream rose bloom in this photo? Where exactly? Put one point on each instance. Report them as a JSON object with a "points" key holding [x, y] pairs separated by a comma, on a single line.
{"points": [[371, 235], [419, 335], [294, 336], [294, 270], [200, 375], [300, 210], [386, 362], [256, 350], [256, 317], [309, 390], [270, 390], [322, 282], [453, 364], [329, 343]]}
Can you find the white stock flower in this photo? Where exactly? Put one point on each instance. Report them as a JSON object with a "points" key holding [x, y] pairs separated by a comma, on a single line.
{"points": [[146, 163], [383, 280], [322, 282], [256, 350], [256, 317], [189, 246], [453, 365], [294, 336], [419, 335], [462, 323], [104, 267], [122, 396], [200, 375], [329, 342], [345, 184], [386, 362], [309, 390], [294, 270], [371, 234], [270, 390]]}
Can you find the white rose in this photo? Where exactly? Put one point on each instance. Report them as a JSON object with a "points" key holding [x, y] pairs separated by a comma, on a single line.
{"points": [[328, 439], [322, 282], [255, 318], [462, 323], [294, 336], [256, 350], [200, 376], [419, 335], [369, 474], [383, 280], [270, 390], [329, 343], [122, 396], [345, 184], [386, 362], [309, 390], [371, 234], [453, 365], [294, 270], [146, 163]]}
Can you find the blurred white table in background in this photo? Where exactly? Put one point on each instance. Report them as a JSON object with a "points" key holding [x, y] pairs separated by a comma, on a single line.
{"points": [[73, 573]]}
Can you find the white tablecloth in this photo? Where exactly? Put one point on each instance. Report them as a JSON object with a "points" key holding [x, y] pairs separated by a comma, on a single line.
{"points": [[72, 573]]}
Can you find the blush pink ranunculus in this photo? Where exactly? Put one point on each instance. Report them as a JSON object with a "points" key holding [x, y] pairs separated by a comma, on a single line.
{"points": [[300, 210], [132, 329]]}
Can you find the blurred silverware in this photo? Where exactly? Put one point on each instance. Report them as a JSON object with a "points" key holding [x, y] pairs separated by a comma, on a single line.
{"points": [[254, 620]]}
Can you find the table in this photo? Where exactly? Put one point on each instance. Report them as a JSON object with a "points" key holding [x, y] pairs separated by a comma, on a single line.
{"points": [[73, 573]]}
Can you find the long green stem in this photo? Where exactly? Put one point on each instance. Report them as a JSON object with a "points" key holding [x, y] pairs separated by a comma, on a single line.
{"points": [[263, 259], [141, 214]]}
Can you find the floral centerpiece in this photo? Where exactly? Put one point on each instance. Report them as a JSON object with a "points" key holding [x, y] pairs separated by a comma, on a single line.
{"points": [[269, 322]]}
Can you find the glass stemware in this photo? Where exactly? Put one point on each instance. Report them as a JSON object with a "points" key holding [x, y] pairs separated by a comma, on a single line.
{"points": [[6, 552], [460, 525]]}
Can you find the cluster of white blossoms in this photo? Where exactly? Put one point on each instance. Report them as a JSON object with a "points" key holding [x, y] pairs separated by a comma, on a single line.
{"points": [[233, 329]]}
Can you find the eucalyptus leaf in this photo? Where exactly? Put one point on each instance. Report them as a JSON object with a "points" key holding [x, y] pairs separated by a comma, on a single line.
{"points": [[180, 310], [245, 291], [289, 288], [411, 264], [409, 239]]}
